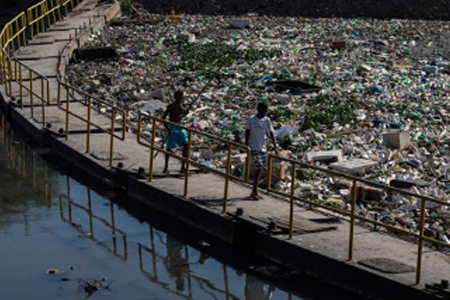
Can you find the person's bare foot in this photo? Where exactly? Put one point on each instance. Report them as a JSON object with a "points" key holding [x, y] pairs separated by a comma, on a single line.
{"points": [[255, 196]]}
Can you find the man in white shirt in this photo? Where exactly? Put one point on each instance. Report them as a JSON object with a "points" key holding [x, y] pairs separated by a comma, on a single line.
{"points": [[257, 128]]}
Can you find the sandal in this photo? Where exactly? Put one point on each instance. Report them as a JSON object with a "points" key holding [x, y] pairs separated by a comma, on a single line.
{"points": [[255, 196]]}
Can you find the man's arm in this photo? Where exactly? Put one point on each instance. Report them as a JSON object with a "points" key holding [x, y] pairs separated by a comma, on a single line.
{"points": [[274, 141], [272, 136]]}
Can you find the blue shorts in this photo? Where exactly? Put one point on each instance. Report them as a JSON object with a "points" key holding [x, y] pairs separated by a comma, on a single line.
{"points": [[178, 137]]}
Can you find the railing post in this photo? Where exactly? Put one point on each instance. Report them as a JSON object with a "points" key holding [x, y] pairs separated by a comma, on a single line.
{"points": [[67, 112], [352, 220], [30, 16], [88, 134], [152, 149], [21, 87], [111, 142], [269, 173], [58, 100], [48, 91], [420, 250], [187, 165], [227, 179], [24, 26], [248, 164], [291, 212], [31, 88], [10, 76]]}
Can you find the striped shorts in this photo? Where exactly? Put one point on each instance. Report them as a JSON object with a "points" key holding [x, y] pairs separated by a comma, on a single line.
{"points": [[259, 160]]}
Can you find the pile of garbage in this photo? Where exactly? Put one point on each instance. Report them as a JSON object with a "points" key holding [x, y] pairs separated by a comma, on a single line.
{"points": [[360, 96]]}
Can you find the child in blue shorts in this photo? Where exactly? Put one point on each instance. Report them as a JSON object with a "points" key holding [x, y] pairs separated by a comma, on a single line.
{"points": [[177, 135]]}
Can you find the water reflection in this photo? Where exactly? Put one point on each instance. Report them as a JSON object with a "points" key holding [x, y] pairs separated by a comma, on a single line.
{"points": [[164, 260], [25, 179], [66, 200]]}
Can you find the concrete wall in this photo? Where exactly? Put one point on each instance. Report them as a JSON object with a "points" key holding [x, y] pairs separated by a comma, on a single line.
{"points": [[416, 9]]}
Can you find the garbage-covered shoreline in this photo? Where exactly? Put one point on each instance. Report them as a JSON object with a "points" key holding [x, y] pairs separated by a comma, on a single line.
{"points": [[384, 91], [382, 9]]}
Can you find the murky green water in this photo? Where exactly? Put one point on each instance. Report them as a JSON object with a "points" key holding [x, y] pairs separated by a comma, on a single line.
{"points": [[96, 244]]}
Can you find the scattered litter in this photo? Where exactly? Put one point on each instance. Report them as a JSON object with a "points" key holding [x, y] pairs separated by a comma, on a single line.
{"points": [[373, 90]]}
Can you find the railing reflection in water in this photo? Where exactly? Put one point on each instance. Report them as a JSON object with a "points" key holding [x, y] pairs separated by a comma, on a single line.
{"points": [[71, 204], [25, 163], [172, 270]]}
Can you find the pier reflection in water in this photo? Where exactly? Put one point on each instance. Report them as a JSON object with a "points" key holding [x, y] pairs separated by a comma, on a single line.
{"points": [[88, 236]]}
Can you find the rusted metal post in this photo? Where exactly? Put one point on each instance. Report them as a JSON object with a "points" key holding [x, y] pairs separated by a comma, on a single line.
{"points": [[227, 179], [88, 133], [269, 173], [187, 165], [291, 212], [67, 112], [352, 220], [421, 235], [111, 142], [152, 150]]}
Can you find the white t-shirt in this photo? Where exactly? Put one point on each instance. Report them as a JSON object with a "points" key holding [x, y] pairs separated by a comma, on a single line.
{"points": [[258, 130]]}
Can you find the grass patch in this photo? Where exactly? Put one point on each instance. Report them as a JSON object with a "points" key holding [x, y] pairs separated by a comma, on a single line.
{"points": [[204, 58], [324, 110]]}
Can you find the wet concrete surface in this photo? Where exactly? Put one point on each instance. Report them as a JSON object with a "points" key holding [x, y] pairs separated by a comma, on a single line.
{"points": [[98, 237]]}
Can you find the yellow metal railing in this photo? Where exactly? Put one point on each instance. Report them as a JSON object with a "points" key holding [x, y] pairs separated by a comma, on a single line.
{"points": [[54, 11], [294, 166], [188, 160], [26, 83], [68, 94], [36, 15], [69, 5], [352, 215], [45, 13], [13, 35]]}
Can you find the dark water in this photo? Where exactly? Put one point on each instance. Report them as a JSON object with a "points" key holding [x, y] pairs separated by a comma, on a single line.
{"points": [[96, 244]]}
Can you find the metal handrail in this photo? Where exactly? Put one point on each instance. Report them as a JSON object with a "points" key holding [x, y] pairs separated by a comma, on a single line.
{"points": [[188, 159], [89, 124], [44, 97], [35, 17], [54, 6], [352, 214], [37, 13], [9, 35]]}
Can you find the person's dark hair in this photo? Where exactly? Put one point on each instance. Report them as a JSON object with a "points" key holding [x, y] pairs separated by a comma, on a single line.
{"points": [[178, 93], [262, 105]]}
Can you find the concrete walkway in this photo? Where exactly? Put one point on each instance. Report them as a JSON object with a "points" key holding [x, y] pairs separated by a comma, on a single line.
{"points": [[328, 241]]}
